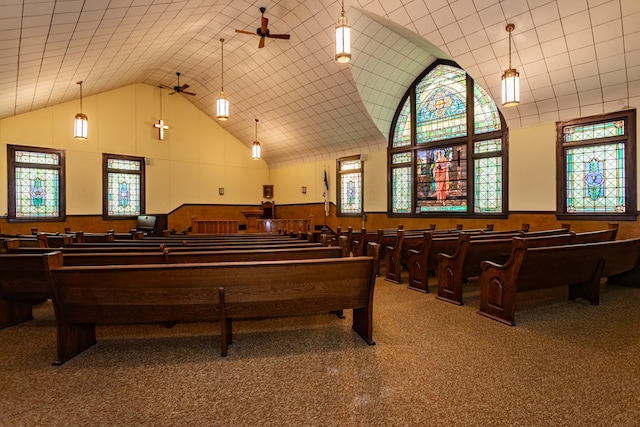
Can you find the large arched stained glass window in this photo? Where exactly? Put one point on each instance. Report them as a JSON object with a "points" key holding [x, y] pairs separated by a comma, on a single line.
{"points": [[447, 151]]}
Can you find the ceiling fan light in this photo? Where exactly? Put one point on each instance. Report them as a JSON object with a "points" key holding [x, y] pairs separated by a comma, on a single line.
{"points": [[222, 107], [343, 38]]}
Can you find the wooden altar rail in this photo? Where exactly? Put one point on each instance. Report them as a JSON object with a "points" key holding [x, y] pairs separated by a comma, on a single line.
{"points": [[284, 226], [208, 226]]}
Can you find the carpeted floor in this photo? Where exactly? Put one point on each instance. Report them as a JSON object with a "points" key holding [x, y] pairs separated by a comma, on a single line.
{"points": [[435, 364]]}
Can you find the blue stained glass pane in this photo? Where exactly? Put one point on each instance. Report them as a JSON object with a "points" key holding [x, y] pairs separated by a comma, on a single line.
{"points": [[488, 184], [123, 194], [350, 185], [401, 197]]}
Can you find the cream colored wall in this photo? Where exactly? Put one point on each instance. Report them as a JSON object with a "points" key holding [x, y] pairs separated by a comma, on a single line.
{"points": [[196, 157]]}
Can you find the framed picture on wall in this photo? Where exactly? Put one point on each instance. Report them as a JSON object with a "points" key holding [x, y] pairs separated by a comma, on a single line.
{"points": [[267, 191]]}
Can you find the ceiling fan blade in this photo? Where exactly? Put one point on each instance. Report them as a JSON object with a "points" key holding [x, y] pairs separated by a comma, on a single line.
{"points": [[172, 93], [261, 44], [280, 36], [183, 87], [265, 22], [245, 32], [189, 93]]}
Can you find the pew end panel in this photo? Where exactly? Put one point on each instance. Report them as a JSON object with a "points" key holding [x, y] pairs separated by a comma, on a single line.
{"points": [[24, 280], [417, 265]]}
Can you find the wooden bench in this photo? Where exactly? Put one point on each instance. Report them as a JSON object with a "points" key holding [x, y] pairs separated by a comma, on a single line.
{"points": [[84, 297], [24, 280], [454, 269], [580, 266]]}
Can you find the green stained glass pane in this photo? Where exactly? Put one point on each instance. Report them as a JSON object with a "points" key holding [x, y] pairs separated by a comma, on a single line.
{"points": [[402, 133], [346, 165], [401, 197], [120, 164], [37, 158], [594, 131], [350, 197], [399, 158], [441, 179], [441, 105], [488, 184], [486, 114], [487, 146], [37, 192], [596, 179], [123, 194]]}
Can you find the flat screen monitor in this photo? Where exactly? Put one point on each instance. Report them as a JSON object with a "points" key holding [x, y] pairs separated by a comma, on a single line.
{"points": [[146, 222]]}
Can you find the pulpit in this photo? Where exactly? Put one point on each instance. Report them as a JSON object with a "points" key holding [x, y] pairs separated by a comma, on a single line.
{"points": [[268, 210]]}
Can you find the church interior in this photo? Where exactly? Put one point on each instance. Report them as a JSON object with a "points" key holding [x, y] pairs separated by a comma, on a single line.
{"points": [[149, 77]]}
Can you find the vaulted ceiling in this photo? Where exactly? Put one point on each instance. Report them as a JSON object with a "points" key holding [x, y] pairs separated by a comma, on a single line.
{"points": [[575, 58]]}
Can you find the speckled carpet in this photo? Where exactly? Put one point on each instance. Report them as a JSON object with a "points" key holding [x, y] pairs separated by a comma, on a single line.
{"points": [[435, 364]]}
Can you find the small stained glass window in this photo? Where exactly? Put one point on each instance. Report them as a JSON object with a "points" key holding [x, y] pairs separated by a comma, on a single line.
{"points": [[488, 188], [402, 135], [400, 158], [596, 157], [350, 185], [124, 186], [36, 184], [486, 117], [401, 194]]}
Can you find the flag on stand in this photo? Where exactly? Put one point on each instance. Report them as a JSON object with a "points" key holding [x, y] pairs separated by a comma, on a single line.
{"points": [[325, 194]]}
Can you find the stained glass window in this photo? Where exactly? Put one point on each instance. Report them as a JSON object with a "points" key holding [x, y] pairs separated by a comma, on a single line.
{"points": [[486, 117], [401, 194], [350, 185], [453, 164], [402, 135], [596, 160], [441, 105], [36, 184], [124, 186]]}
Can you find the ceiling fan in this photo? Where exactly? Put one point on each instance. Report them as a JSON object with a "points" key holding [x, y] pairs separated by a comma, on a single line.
{"points": [[263, 31], [181, 89]]}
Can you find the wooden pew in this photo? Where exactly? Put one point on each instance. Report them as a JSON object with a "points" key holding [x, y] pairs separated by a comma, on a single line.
{"points": [[579, 266], [454, 269], [24, 280], [84, 297]]}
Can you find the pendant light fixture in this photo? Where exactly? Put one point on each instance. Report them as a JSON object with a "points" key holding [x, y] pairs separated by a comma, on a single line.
{"points": [[255, 147], [343, 38], [510, 79], [80, 123], [222, 103]]}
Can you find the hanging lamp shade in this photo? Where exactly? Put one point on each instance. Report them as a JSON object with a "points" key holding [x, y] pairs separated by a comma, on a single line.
{"points": [[81, 121], [222, 103], [255, 147], [343, 38], [510, 79]]}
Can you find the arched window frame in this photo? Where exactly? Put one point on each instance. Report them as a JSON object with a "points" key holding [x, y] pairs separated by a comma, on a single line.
{"points": [[409, 153]]}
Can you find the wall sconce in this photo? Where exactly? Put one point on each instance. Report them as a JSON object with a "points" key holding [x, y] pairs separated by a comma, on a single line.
{"points": [[304, 189], [221, 191]]}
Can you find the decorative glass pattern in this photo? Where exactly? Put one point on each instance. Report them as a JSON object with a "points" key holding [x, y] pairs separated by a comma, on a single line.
{"points": [[402, 134], [123, 194], [441, 179], [401, 194], [400, 158], [348, 165], [488, 146], [37, 190], [488, 184], [122, 164], [350, 197], [594, 131], [441, 104], [37, 158], [486, 117], [596, 178]]}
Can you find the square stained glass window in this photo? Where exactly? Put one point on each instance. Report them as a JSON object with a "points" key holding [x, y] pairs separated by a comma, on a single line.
{"points": [[488, 185]]}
